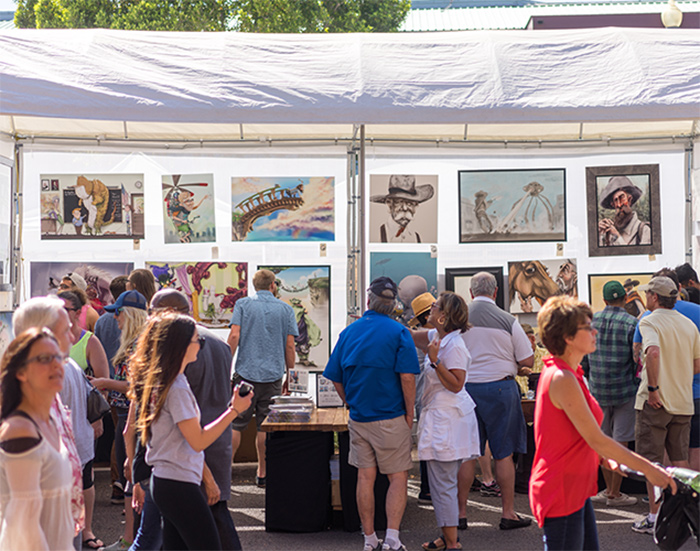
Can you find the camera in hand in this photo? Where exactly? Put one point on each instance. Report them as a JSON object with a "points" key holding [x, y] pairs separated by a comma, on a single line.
{"points": [[244, 389]]}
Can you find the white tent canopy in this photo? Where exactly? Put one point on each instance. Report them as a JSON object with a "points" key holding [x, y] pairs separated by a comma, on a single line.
{"points": [[85, 83]]}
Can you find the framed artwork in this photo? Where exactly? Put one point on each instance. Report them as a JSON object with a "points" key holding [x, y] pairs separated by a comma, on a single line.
{"points": [[46, 276], [280, 208], [326, 395], [499, 206], [188, 208], [307, 290], [91, 206], [459, 281], [6, 331], [624, 216], [634, 301], [402, 208], [532, 282], [212, 288]]}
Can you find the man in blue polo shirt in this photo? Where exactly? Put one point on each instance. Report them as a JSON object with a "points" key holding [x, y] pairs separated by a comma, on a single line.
{"points": [[373, 367], [263, 330]]}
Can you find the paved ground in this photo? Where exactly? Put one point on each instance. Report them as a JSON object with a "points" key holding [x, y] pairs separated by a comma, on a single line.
{"points": [[247, 506]]}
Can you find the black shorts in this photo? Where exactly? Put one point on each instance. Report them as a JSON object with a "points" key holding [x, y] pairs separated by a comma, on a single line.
{"points": [[88, 476]]}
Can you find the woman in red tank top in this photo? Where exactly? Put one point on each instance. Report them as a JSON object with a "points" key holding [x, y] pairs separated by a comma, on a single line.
{"points": [[568, 439]]}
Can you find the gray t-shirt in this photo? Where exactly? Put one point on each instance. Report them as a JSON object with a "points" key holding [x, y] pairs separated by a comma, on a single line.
{"points": [[74, 397], [168, 452], [209, 378]]}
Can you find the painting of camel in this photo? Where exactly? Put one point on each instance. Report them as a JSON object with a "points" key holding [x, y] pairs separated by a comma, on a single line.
{"points": [[498, 206], [92, 206], [212, 288], [282, 208], [532, 282]]}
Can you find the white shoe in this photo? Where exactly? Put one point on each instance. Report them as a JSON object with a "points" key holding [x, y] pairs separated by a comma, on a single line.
{"points": [[368, 547], [600, 497], [386, 547], [622, 501]]}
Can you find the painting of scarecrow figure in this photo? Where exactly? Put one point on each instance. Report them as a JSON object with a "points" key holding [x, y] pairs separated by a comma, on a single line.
{"points": [[212, 288], [92, 206], [189, 208], [45, 277], [307, 290], [283, 209], [512, 205], [534, 281]]}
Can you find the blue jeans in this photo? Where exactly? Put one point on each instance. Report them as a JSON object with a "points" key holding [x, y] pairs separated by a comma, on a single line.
{"points": [[149, 536], [575, 531]]}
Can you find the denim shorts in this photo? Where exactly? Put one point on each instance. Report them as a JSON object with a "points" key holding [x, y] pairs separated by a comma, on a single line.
{"points": [[500, 417]]}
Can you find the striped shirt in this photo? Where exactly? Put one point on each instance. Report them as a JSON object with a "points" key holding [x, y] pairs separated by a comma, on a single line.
{"points": [[612, 368]]}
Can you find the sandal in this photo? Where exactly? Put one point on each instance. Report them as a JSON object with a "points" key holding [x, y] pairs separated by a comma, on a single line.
{"points": [[433, 546], [93, 543]]}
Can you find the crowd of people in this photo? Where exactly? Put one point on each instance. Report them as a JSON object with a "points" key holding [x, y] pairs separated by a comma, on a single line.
{"points": [[604, 380]]}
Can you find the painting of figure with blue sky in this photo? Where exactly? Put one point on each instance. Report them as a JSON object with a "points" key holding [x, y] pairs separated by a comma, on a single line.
{"points": [[188, 206], [307, 290], [283, 208], [405, 266], [512, 205], [5, 331]]}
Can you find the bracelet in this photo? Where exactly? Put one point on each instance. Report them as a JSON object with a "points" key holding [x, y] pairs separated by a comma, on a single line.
{"points": [[238, 413]]}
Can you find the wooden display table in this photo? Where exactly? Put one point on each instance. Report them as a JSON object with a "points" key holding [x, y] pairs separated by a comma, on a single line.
{"points": [[322, 419]]}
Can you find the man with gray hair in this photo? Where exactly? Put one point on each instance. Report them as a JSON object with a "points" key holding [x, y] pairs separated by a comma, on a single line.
{"points": [[49, 312], [373, 367], [500, 349]]}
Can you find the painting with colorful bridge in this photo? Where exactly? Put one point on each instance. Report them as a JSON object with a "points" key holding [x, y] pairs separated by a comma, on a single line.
{"points": [[212, 288], [282, 209]]}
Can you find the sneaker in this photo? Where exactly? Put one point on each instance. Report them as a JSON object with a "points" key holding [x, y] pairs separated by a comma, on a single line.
{"points": [[117, 495], [490, 490], [644, 526], [425, 498], [476, 485], [623, 500], [600, 497], [119, 545], [368, 547], [401, 547]]}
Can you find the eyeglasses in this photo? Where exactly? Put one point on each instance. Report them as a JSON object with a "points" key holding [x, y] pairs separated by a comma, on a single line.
{"points": [[67, 309], [46, 359], [435, 305], [587, 327]]}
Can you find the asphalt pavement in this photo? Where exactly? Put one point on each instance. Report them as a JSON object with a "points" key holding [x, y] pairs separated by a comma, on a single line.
{"points": [[247, 505]]}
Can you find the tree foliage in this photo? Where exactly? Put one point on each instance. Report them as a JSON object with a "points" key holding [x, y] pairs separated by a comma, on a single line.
{"points": [[262, 16]]}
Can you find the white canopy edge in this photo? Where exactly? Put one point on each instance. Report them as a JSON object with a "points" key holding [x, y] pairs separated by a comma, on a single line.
{"points": [[157, 84]]}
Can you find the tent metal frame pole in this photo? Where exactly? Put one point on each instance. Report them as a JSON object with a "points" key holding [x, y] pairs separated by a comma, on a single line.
{"points": [[16, 218], [361, 221], [352, 240], [689, 156]]}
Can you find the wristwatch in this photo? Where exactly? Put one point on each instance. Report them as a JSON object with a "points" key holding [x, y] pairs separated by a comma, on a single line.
{"points": [[652, 388], [434, 364]]}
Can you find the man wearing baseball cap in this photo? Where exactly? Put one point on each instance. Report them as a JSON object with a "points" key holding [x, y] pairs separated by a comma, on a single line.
{"points": [[373, 367], [613, 381], [664, 404]]}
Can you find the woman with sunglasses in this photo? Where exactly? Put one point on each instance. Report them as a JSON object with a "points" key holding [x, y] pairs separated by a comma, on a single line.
{"points": [[36, 478], [130, 311], [569, 442], [448, 431], [168, 419]]}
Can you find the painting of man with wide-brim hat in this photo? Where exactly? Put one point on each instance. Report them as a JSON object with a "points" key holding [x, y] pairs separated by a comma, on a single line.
{"points": [[628, 225], [406, 222]]}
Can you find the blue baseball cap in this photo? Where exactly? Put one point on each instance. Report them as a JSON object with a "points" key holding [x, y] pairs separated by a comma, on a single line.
{"points": [[132, 299]]}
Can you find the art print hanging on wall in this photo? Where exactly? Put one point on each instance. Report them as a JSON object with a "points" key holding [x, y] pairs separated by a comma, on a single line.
{"points": [[623, 210], [188, 206], [280, 208], [635, 304], [459, 281], [403, 209], [212, 288], [532, 282], [512, 205], [45, 278], [5, 331], [92, 206], [307, 290]]}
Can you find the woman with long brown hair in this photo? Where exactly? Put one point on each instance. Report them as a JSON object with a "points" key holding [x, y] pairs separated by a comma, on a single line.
{"points": [[169, 423], [36, 477]]}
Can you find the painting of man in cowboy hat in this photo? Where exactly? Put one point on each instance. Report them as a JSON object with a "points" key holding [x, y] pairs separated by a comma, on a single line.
{"points": [[403, 221], [628, 226]]}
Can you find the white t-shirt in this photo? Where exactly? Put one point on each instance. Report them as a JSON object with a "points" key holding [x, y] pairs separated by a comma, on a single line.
{"points": [[496, 342], [74, 396]]}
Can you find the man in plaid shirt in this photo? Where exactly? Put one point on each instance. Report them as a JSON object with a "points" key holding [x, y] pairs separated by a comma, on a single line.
{"points": [[613, 382]]}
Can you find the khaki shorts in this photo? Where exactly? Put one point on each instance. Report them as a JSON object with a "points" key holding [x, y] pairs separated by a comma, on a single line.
{"points": [[656, 430], [385, 444]]}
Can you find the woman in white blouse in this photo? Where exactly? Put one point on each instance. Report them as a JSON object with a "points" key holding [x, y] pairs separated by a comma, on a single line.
{"points": [[448, 432], [35, 469]]}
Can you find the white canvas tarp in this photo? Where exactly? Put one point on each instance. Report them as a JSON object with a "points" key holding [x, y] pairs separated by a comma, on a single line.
{"points": [[508, 77]]}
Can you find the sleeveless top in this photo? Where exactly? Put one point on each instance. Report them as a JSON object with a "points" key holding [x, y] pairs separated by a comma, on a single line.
{"points": [[78, 352], [36, 485], [565, 467]]}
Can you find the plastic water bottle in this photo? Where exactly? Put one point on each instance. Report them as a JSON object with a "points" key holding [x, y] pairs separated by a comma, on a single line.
{"points": [[687, 476]]}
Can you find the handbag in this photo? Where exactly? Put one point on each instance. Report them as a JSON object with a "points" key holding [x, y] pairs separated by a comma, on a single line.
{"points": [[97, 406]]}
